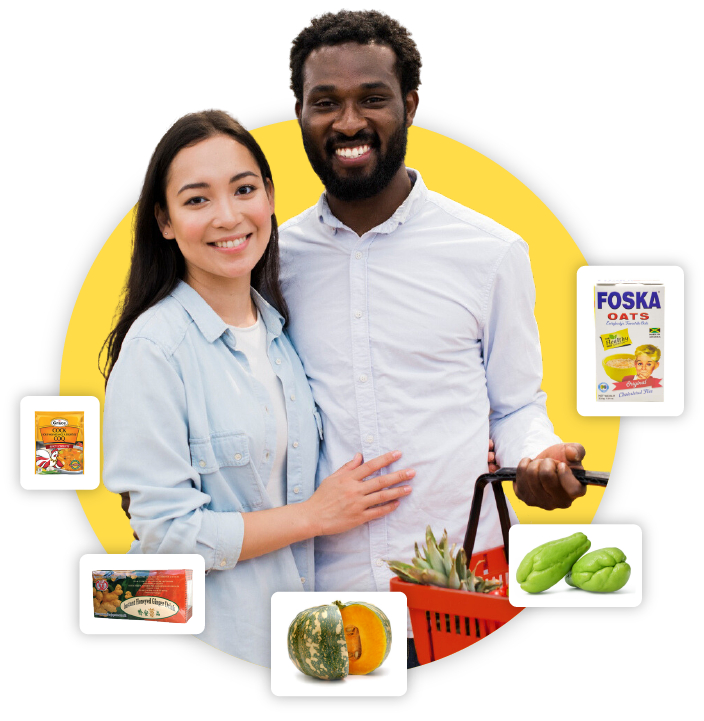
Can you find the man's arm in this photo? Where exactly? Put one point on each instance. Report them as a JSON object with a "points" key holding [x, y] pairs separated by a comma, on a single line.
{"points": [[519, 423]]}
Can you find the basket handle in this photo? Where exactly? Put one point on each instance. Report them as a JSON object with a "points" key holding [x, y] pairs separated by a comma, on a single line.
{"points": [[590, 478]]}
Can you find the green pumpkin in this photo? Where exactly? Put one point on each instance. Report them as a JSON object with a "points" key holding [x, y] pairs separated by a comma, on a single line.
{"points": [[330, 642], [316, 643]]}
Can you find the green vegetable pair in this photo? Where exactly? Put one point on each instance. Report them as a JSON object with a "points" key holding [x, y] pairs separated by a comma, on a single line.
{"points": [[602, 571]]}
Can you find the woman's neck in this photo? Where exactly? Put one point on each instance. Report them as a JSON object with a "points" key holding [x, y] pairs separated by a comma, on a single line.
{"points": [[230, 298]]}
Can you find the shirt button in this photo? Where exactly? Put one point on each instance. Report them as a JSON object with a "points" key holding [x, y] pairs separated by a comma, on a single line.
{"points": [[363, 378], [238, 456], [358, 314], [357, 255], [379, 562], [278, 361], [303, 579], [293, 398], [201, 464], [369, 438], [266, 409], [266, 455], [295, 444], [223, 562], [297, 489]]}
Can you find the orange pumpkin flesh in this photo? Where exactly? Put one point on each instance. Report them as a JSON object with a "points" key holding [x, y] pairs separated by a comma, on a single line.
{"points": [[365, 636]]}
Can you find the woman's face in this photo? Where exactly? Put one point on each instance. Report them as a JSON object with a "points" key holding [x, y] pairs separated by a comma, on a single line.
{"points": [[218, 210]]}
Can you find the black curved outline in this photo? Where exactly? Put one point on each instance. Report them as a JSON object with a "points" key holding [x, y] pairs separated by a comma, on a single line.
{"points": [[527, 622]]}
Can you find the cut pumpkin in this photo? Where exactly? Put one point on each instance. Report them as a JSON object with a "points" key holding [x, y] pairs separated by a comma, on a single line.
{"points": [[330, 642], [368, 636]]}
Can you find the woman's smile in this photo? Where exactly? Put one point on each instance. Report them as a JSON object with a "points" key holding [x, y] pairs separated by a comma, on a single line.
{"points": [[218, 211]]}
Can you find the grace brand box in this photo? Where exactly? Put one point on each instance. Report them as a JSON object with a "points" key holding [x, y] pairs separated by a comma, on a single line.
{"points": [[630, 352], [143, 595]]}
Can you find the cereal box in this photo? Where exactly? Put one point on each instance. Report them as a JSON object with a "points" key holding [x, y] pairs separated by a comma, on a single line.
{"points": [[143, 595], [630, 351]]}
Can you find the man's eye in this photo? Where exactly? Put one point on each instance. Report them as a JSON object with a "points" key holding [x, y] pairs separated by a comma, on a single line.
{"points": [[375, 99], [196, 200], [323, 104]]}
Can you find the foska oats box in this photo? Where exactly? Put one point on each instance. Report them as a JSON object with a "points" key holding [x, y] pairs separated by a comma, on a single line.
{"points": [[630, 350]]}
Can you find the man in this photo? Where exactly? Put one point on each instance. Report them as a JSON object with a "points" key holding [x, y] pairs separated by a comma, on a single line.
{"points": [[413, 315]]}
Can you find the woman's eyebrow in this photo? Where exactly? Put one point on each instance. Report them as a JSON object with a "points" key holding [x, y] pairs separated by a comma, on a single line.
{"points": [[233, 179]]}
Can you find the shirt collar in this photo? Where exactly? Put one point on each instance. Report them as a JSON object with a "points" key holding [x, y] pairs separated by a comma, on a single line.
{"points": [[410, 206], [210, 324]]}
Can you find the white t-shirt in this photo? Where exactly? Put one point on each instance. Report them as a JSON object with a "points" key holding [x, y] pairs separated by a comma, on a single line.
{"points": [[252, 342]]}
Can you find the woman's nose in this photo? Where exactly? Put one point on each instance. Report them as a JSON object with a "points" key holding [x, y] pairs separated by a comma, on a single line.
{"points": [[228, 214]]}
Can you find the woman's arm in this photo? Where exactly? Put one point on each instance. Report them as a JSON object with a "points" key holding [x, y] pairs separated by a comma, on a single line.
{"points": [[343, 500], [146, 453]]}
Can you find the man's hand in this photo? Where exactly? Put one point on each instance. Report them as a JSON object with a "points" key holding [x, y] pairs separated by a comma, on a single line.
{"points": [[493, 464], [547, 481]]}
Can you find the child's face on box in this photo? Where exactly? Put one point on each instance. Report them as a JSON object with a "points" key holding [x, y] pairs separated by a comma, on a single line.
{"points": [[645, 366]]}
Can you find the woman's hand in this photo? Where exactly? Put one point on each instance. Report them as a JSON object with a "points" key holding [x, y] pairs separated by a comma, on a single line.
{"points": [[345, 500]]}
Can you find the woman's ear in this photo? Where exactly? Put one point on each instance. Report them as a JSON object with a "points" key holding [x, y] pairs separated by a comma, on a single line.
{"points": [[162, 219], [270, 194]]}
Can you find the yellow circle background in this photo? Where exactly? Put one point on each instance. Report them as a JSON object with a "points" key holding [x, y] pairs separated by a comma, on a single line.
{"points": [[448, 167]]}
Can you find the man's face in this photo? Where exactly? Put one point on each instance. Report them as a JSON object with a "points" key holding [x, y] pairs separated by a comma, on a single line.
{"points": [[354, 118]]}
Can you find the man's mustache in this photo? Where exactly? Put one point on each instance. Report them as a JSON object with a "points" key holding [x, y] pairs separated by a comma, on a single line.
{"points": [[361, 138]]}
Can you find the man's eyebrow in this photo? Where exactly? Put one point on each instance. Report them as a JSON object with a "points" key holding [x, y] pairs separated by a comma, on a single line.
{"points": [[376, 85], [233, 179]]}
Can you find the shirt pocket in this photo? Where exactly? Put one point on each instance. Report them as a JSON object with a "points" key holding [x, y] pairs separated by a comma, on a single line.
{"points": [[226, 456]]}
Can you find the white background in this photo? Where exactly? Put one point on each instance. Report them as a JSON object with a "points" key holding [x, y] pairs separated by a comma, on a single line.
{"points": [[525, 537], [595, 106], [390, 679]]}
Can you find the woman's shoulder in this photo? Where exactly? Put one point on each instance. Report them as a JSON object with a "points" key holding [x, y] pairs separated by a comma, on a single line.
{"points": [[165, 324]]}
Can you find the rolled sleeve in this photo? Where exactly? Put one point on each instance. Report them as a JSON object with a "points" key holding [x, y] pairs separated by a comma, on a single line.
{"points": [[146, 453], [519, 423]]}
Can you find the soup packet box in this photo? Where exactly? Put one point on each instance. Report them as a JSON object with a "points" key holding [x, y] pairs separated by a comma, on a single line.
{"points": [[630, 350]]}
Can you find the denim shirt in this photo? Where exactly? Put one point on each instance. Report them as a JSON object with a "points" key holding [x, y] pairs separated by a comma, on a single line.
{"points": [[181, 411]]}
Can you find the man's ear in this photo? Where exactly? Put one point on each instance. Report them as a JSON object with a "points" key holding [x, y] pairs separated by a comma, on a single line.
{"points": [[412, 101], [298, 111], [162, 219]]}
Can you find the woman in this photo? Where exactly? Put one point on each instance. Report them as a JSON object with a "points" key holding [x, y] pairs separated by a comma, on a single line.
{"points": [[209, 422]]}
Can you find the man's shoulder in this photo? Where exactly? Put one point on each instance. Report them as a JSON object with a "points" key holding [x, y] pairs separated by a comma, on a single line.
{"points": [[289, 228], [452, 212]]}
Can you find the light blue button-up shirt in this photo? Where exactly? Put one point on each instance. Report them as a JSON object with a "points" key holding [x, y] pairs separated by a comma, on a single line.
{"points": [[418, 336], [182, 410]]}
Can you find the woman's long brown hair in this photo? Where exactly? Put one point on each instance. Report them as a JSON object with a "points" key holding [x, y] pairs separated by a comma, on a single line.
{"points": [[157, 265]]}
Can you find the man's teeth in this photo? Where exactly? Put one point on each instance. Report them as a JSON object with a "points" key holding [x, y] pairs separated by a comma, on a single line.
{"points": [[353, 152], [230, 243]]}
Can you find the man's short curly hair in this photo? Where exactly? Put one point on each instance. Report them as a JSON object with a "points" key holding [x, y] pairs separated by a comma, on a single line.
{"points": [[365, 27]]}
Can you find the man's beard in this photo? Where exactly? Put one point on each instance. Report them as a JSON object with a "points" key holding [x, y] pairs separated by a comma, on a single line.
{"points": [[353, 188]]}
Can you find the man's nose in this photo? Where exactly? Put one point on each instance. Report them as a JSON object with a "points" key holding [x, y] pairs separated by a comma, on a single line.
{"points": [[349, 120]]}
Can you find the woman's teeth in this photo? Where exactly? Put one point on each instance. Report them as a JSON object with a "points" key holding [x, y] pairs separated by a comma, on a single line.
{"points": [[353, 152], [230, 243]]}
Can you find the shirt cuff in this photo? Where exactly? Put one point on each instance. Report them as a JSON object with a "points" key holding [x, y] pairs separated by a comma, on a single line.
{"points": [[220, 539]]}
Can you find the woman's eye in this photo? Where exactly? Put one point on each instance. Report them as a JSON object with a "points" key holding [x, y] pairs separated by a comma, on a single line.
{"points": [[197, 200], [245, 190]]}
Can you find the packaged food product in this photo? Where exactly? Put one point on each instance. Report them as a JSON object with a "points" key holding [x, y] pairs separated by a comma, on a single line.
{"points": [[630, 337], [143, 595], [59, 442]]}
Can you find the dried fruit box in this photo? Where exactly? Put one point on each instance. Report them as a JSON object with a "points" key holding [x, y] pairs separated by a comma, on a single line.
{"points": [[143, 595]]}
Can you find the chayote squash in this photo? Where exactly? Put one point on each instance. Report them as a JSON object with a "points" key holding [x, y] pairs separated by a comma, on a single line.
{"points": [[601, 571], [545, 565]]}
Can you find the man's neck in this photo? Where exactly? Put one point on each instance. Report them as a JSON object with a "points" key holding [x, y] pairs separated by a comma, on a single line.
{"points": [[363, 215]]}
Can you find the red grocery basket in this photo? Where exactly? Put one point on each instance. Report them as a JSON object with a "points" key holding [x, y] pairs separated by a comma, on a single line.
{"points": [[446, 621]]}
